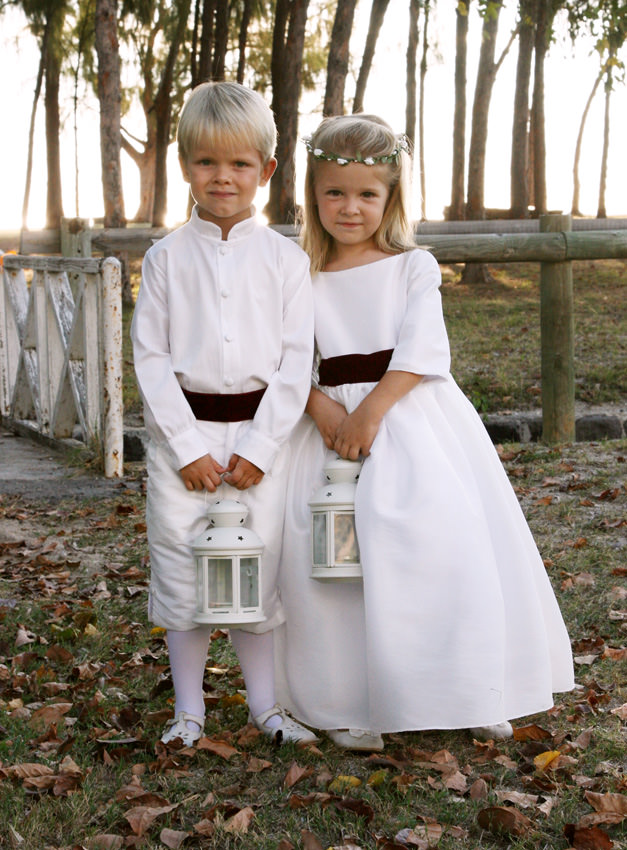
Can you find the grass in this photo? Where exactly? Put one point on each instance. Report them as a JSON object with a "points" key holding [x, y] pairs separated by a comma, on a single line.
{"points": [[494, 332], [85, 687]]}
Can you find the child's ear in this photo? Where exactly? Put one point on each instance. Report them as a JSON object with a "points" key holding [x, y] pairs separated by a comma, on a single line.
{"points": [[267, 171], [184, 168]]}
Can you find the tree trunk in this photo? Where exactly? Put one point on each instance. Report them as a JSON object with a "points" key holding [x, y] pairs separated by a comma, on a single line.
{"points": [[411, 66], [287, 59], [54, 196], [421, 115], [162, 110], [243, 39], [206, 42], [337, 62], [544, 21], [520, 128], [145, 162], [377, 14], [486, 71], [31, 128], [109, 96], [221, 40], [601, 211], [576, 184], [457, 210]]}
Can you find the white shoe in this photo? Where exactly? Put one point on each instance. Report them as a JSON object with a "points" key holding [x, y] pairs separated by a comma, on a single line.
{"points": [[356, 739], [497, 732], [288, 730], [177, 728]]}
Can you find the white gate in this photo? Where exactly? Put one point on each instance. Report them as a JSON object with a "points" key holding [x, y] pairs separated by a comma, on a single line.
{"points": [[61, 349]]}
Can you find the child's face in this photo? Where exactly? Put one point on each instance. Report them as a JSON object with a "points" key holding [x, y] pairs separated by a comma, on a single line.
{"points": [[223, 181], [351, 200]]}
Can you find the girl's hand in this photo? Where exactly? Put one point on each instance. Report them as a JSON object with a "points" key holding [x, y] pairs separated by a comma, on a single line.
{"points": [[327, 414], [241, 473], [356, 433], [202, 474]]}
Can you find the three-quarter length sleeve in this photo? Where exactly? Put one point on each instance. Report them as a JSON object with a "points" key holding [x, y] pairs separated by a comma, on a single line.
{"points": [[288, 388], [164, 403], [423, 346]]}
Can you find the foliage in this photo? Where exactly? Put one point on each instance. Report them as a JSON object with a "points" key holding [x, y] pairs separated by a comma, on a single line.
{"points": [[85, 690]]}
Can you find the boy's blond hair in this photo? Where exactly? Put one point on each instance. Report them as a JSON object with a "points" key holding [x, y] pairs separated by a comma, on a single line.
{"points": [[359, 137], [226, 114]]}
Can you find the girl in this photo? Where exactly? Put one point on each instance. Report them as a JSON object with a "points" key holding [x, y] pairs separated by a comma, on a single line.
{"points": [[455, 624]]}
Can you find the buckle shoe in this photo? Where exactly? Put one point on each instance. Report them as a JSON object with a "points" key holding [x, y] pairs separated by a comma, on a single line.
{"points": [[177, 727], [356, 739], [497, 732], [288, 730]]}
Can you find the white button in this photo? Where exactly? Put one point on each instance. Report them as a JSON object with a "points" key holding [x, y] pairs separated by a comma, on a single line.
{"points": [[228, 337], [228, 382], [224, 249], [224, 293]]}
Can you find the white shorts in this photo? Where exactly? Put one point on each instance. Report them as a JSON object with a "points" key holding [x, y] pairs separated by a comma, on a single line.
{"points": [[175, 516]]}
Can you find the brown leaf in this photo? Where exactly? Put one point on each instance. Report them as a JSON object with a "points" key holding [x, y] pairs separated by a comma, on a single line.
{"points": [[478, 789], [587, 838], [504, 819], [240, 822], [607, 802], [105, 841], [310, 842], [218, 748], [530, 733], [204, 827], [621, 711], [256, 765], [49, 714], [295, 773], [284, 844], [172, 838], [141, 818]]}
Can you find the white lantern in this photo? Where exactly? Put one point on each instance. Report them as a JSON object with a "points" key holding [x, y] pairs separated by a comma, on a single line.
{"points": [[335, 550], [228, 568]]}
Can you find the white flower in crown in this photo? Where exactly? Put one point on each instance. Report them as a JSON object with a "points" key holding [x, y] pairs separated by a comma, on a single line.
{"points": [[368, 161], [341, 161], [318, 152]]}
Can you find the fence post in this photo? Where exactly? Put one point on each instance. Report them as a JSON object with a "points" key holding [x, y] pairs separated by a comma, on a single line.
{"points": [[557, 332], [113, 419]]}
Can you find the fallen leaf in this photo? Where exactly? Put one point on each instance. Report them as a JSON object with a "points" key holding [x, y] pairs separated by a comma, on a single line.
{"points": [[478, 789], [218, 748], [621, 711], [504, 819], [240, 822], [607, 802], [295, 773], [105, 841], [172, 838], [256, 765], [543, 761], [310, 842], [530, 733], [341, 783], [587, 838], [526, 801], [140, 818]]}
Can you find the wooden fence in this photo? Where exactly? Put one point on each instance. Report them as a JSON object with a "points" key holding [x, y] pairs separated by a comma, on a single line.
{"points": [[554, 241], [61, 350]]}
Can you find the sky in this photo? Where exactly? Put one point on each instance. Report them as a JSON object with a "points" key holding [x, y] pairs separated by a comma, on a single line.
{"points": [[569, 79]]}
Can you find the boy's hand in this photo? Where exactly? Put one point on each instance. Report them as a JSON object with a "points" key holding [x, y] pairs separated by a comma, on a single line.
{"points": [[202, 474], [327, 414], [241, 473]]}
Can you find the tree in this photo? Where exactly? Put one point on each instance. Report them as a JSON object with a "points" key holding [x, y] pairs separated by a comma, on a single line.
{"points": [[286, 69], [109, 97], [43, 48], [520, 127], [377, 14], [576, 182], [337, 63], [457, 208]]}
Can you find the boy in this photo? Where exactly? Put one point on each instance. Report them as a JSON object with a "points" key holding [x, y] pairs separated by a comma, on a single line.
{"points": [[223, 339]]}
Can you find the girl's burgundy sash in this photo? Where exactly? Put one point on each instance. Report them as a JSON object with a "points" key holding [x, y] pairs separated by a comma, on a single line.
{"points": [[227, 407], [354, 368]]}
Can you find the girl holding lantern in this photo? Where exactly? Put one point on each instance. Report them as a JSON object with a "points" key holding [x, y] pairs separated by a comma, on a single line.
{"points": [[455, 624]]}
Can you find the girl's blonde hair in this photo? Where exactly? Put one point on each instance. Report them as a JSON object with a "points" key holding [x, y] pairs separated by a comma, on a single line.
{"points": [[359, 137], [226, 114]]}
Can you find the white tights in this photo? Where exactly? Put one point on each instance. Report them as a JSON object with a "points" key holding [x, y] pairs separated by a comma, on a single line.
{"points": [[188, 656]]}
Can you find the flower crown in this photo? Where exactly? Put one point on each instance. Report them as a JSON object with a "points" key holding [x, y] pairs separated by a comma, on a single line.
{"points": [[402, 144]]}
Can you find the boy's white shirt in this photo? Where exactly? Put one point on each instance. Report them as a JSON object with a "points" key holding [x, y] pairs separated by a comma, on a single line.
{"points": [[223, 316]]}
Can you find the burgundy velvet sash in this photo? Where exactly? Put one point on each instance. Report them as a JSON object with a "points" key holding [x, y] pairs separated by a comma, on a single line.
{"points": [[354, 368], [228, 407]]}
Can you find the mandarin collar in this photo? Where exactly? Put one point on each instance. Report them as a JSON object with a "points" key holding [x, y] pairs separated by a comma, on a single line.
{"points": [[212, 231]]}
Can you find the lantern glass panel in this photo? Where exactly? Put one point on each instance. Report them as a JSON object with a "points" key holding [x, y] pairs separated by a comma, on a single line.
{"points": [[220, 582], [249, 582], [319, 529], [345, 539]]}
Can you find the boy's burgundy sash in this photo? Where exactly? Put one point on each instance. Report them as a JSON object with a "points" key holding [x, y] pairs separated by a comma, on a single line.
{"points": [[354, 368], [227, 407]]}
